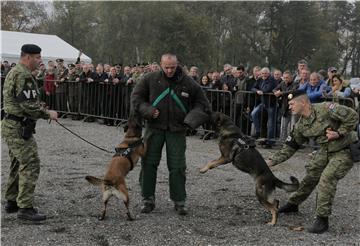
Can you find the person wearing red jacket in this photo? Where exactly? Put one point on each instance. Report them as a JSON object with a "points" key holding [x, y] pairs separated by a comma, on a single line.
{"points": [[49, 87]]}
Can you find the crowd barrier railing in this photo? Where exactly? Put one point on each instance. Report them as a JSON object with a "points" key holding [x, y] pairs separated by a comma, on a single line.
{"points": [[103, 100], [111, 102]]}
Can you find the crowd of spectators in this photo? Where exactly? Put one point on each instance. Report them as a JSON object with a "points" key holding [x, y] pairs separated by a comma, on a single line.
{"points": [[266, 90]]}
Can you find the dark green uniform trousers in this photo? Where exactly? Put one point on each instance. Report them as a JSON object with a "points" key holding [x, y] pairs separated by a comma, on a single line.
{"points": [[175, 153], [324, 171]]}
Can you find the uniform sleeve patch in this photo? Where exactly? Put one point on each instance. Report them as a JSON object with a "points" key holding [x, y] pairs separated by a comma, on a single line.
{"points": [[29, 92], [290, 141], [29, 84], [331, 106]]}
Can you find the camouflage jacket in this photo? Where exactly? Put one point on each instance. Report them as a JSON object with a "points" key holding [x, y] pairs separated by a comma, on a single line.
{"points": [[323, 116], [21, 94]]}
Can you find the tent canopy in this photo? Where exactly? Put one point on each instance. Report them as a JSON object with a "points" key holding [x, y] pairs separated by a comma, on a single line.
{"points": [[52, 47]]}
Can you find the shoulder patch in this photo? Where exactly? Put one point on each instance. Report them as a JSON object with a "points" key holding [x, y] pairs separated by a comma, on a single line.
{"points": [[331, 106], [29, 92], [29, 83]]}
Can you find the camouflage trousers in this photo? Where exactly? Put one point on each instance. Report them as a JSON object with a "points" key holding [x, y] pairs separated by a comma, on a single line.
{"points": [[24, 168], [175, 154], [324, 171]]}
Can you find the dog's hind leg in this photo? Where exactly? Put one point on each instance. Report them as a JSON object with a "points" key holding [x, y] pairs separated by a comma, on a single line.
{"points": [[274, 211], [106, 196], [263, 194], [124, 195]]}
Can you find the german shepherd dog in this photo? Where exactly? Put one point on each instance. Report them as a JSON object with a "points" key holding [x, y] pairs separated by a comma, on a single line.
{"points": [[128, 152], [239, 149]]}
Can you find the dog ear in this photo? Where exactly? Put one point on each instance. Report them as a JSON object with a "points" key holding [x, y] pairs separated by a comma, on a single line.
{"points": [[126, 127], [220, 119]]}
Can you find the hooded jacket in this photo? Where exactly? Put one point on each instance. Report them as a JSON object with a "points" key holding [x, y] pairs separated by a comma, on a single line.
{"points": [[146, 97]]}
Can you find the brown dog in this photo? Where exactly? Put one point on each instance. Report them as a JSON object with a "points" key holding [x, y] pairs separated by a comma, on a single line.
{"points": [[239, 149], [128, 152]]}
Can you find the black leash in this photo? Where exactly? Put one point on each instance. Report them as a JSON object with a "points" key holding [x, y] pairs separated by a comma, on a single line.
{"points": [[77, 135]]}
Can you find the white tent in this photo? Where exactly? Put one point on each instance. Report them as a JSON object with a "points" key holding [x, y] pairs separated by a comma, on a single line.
{"points": [[52, 47]]}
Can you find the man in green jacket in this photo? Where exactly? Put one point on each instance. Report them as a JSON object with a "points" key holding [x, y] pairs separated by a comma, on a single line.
{"points": [[332, 125], [22, 108], [170, 101]]}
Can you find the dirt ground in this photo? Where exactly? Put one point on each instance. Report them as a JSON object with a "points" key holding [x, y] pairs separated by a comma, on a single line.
{"points": [[223, 209]]}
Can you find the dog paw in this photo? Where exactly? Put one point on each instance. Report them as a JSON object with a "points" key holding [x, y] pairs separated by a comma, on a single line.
{"points": [[271, 223], [101, 217], [204, 170], [129, 217]]}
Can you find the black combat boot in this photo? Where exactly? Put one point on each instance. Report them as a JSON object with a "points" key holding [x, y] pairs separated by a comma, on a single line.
{"points": [[30, 214], [320, 225], [11, 207], [147, 207], [181, 210], [289, 208]]}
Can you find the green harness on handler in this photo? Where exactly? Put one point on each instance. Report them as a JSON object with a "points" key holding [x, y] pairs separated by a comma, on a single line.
{"points": [[173, 95]]}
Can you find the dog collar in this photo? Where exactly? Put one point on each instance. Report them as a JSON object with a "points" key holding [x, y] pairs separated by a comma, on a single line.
{"points": [[244, 144]]}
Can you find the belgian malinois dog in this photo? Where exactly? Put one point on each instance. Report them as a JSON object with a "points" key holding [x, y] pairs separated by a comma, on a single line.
{"points": [[128, 153], [239, 149]]}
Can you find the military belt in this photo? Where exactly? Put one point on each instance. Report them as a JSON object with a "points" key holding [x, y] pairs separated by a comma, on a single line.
{"points": [[14, 117]]}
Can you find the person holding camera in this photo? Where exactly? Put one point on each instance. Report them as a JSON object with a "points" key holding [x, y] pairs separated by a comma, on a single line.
{"points": [[23, 108]]}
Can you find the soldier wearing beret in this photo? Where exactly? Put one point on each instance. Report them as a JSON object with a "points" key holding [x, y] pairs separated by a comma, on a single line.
{"points": [[72, 81], [332, 125], [61, 73], [22, 107]]}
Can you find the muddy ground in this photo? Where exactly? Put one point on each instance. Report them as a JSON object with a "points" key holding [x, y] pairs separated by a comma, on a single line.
{"points": [[223, 209]]}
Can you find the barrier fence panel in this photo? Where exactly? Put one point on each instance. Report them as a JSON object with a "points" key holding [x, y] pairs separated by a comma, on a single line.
{"points": [[90, 99], [255, 115], [347, 101], [221, 101]]}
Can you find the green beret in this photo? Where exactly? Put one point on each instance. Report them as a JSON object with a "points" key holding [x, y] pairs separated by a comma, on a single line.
{"points": [[30, 49]]}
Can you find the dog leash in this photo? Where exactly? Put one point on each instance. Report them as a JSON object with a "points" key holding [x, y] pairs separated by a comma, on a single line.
{"points": [[77, 135]]}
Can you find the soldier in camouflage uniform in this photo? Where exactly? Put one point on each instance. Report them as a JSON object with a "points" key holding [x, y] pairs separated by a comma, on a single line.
{"points": [[72, 79], [61, 86], [332, 125], [22, 107]]}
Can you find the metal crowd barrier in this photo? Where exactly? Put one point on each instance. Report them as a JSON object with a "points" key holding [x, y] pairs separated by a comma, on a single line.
{"points": [[242, 103], [111, 102], [91, 100]]}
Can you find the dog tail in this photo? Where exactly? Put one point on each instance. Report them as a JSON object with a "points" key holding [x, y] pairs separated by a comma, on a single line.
{"points": [[286, 186], [95, 181]]}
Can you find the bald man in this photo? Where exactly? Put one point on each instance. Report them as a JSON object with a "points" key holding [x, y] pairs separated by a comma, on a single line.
{"points": [[170, 101]]}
